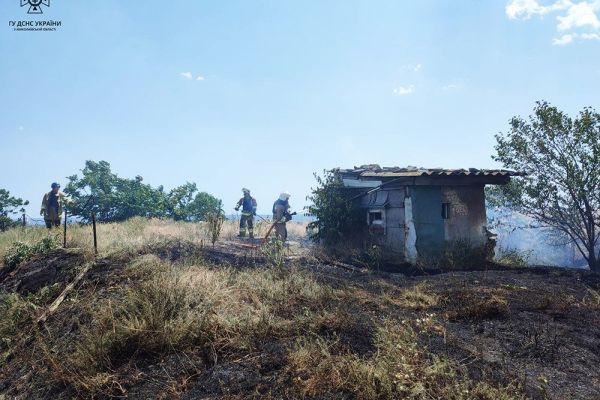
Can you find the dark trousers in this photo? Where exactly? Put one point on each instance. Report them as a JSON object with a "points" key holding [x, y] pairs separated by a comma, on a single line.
{"points": [[51, 223], [247, 220]]}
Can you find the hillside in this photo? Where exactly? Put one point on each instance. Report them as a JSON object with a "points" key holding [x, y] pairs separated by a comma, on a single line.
{"points": [[160, 313]]}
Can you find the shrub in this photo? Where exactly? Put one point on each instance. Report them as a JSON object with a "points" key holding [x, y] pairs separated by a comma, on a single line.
{"points": [[214, 224], [21, 251], [274, 251], [339, 219]]}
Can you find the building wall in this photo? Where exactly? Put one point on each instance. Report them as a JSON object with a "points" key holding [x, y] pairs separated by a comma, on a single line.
{"points": [[467, 216], [389, 232], [427, 217], [412, 223], [394, 241]]}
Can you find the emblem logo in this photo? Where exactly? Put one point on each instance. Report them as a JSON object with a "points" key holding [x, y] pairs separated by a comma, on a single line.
{"points": [[35, 6]]}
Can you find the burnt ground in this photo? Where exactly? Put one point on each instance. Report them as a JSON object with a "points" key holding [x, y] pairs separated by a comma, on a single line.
{"points": [[541, 326], [538, 327]]}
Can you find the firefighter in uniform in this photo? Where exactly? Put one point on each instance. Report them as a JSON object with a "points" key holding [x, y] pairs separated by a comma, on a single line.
{"points": [[52, 206], [248, 204], [281, 214]]}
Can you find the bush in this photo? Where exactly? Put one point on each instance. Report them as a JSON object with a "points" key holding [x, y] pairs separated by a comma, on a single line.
{"points": [[274, 251], [339, 219], [214, 224], [21, 251]]}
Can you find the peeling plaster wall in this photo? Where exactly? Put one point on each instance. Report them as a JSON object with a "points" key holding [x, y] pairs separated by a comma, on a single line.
{"points": [[413, 220], [467, 213]]}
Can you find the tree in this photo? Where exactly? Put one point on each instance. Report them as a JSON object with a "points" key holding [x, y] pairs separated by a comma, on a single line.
{"points": [[9, 205], [114, 198], [117, 199], [561, 157], [338, 217], [185, 204], [204, 204], [180, 200]]}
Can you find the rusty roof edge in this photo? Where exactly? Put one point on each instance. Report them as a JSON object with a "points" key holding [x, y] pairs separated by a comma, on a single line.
{"points": [[413, 171]]}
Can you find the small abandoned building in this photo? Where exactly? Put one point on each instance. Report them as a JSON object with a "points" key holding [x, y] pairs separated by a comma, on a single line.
{"points": [[413, 212]]}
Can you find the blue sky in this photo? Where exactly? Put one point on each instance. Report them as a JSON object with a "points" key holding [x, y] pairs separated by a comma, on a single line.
{"points": [[264, 93]]}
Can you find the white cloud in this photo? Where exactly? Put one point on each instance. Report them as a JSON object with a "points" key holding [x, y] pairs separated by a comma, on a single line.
{"points": [[525, 9], [21, 128], [577, 20], [578, 16], [200, 78], [564, 39], [569, 37], [590, 36], [404, 90], [417, 68]]}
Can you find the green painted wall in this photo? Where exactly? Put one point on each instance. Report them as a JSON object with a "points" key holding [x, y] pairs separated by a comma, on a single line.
{"points": [[427, 216]]}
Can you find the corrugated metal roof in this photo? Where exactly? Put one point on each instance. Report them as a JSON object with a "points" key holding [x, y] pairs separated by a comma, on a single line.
{"points": [[374, 170]]}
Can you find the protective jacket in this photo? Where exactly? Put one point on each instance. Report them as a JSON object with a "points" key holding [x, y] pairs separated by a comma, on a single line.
{"points": [[281, 211], [248, 205], [52, 205]]}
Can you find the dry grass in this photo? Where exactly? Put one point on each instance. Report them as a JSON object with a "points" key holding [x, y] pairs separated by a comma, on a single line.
{"points": [[475, 304], [399, 368], [136, 233], [147, 309], [418, 297], [221, 312]]}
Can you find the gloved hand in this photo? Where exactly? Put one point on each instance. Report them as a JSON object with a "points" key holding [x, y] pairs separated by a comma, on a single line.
{"points": [[42, 212], [253, 212], [283, 220], [236, 208]]}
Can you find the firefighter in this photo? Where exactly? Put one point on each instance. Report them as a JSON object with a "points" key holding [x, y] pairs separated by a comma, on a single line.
{"points": [[281, 214], [248, 204], [52, 206]]}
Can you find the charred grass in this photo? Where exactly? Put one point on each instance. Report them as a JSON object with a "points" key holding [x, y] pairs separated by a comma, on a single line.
{"points": [[154, 319], [158, 328]]}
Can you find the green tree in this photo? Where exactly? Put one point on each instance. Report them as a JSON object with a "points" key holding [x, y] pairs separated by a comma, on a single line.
{"points": [[187, 204], [203, 205], [9, 205], [338, 217], [180, 200], [561, 157], [114, 198]]}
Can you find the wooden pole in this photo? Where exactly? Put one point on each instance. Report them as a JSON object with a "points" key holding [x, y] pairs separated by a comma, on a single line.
{"points": [[62, 296], [65, 231], [94, 229], [24, 220]]}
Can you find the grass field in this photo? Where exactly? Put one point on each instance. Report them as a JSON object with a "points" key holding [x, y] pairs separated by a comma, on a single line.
{"points": [[144, 324]]}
